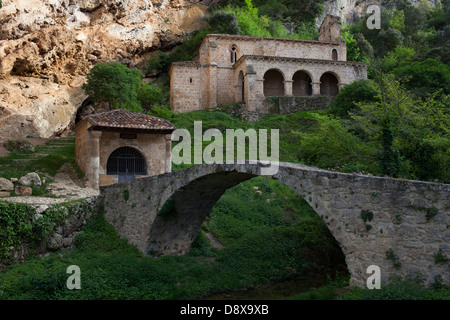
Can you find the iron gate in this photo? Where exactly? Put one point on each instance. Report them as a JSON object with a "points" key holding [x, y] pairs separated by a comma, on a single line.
{"points": [[126, 163]]}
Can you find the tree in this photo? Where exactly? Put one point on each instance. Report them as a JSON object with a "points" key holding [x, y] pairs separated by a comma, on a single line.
{"points": [[115, 84], [424, 77], [150, 95], [160, 62], [223, 22], [351, 94], [334, 146], [353, 51], [413, 135]]}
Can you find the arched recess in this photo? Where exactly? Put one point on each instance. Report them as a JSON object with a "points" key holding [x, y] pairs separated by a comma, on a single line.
{"points": [[329, 85], [240, 87], [302, 85], [126, 163], [334, 55], [273, 83]]}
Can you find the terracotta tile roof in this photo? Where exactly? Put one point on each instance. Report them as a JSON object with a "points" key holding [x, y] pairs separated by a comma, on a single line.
{"points": [[128, 119]]}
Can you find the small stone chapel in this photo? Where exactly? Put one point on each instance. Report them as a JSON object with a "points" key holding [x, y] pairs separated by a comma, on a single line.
{"points": [[120, 145]]}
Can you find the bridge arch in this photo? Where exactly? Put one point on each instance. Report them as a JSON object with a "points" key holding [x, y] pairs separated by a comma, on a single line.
{"points": [[339, 199]]}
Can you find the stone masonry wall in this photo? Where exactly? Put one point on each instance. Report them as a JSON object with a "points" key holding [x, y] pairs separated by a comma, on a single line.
{"points": [[76, 215], [368, 216], [256, 66], [212, 81], [185, 87]]}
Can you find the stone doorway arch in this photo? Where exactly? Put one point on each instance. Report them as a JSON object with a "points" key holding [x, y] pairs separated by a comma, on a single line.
{"points": [[329, 85], [302, 84], [126, 163], [273, 83]]}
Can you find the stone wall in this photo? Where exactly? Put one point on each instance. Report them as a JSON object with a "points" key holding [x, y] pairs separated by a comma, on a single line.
{"points": [[81, 140], [290, 104], [255, 67], [153, 147], [368, 216], [217, 48], [75, 215], [185, 87]]}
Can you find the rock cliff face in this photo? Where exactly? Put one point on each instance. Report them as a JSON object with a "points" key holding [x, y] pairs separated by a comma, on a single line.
{"points": [[351, 11], [47, 46]]}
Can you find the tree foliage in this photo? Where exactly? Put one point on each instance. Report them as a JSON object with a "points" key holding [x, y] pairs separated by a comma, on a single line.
{"points": [[122, 88], [223, 22], [393, 133], [114, 83], [351, 94]]}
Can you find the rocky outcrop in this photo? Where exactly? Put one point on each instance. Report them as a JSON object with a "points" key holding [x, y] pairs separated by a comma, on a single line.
{"points": [[351, 11], [47, 47]]}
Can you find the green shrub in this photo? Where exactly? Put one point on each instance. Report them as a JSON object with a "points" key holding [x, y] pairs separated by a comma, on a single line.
{"points": [[223, 22], [19, 226], [114, 83], [150, 95], [161, 62], [350, 95]]}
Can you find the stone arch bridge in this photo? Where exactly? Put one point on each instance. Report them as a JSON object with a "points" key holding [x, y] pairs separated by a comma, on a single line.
{"points": [[367, 215]]}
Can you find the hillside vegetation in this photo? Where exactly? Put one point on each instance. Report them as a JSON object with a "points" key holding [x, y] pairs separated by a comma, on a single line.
{"points": [[396, 123]]}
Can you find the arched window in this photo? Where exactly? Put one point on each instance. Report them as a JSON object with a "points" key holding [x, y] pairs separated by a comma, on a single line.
{"points": [[334, 55], [233, 54], [126, 162], [273, 83]]}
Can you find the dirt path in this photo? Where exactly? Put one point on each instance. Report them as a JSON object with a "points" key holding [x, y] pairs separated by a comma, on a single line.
{"points": [[65, 187]]}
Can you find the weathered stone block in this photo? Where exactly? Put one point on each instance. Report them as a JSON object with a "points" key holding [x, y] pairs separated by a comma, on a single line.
{"points": [[6, 185], [23, 191]]}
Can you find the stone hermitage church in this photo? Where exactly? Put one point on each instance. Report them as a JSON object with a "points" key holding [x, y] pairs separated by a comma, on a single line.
{"points": [[236, 68]]}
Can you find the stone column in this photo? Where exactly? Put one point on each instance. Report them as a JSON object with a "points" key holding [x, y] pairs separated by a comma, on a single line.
{"points": [[250, 90], [93, 159], [288, 87], [315, 88]]}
